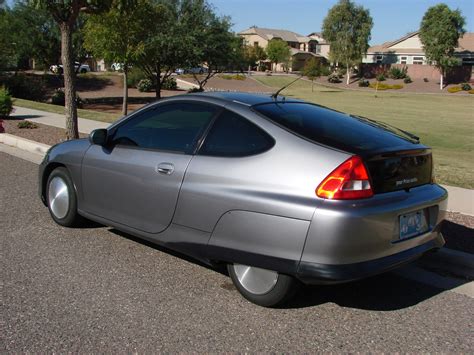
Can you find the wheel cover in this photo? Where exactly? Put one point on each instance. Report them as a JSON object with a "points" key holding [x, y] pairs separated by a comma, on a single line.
{"points": [[255, 280], [58, 197]]}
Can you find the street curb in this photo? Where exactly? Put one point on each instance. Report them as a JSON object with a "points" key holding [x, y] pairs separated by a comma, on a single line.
{"points": [[456, 262], [23, 143]]}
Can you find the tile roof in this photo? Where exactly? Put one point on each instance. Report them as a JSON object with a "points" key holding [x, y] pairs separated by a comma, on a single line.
{"points": [[270, 33]]}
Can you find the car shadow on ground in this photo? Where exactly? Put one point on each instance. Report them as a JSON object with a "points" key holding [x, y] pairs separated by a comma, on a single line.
{"points": [[386, 292], [21, 117]]}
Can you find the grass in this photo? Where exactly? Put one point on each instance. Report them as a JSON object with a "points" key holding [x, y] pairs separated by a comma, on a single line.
{"points": [[443, 122], [91, 115]]}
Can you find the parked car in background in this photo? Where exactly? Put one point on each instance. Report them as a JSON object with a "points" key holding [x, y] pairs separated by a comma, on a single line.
{"points": [[116, 66], [280, 190], [78, 67], [195, 70]]}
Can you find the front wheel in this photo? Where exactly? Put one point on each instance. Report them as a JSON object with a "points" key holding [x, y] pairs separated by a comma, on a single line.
{"points": [[264, 287], [61, 198]]}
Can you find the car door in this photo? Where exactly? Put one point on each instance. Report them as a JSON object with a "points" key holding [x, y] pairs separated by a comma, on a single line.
{"points": [[136, 178]]}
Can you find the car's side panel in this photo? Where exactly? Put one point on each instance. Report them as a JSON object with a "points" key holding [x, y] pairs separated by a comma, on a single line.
{"points": [[260, 234], [281, 181], [347, 232], [125, 185]]}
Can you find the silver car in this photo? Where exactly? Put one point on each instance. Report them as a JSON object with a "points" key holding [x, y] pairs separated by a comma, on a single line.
{"points": [[281, 191]]}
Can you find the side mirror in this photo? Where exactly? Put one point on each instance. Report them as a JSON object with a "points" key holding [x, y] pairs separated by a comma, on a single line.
{"points": [[98, 136]]}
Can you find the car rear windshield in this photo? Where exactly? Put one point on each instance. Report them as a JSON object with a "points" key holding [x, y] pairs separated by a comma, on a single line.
{"points": [[321, 125]]}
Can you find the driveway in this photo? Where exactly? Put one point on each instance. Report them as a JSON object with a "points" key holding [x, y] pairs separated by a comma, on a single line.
{"points": [[98, 290]]}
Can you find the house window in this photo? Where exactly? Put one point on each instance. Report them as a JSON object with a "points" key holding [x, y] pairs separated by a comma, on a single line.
{"points": [[255, 44], [403, 60], [378, 59], [318, 48], [418, 60]]}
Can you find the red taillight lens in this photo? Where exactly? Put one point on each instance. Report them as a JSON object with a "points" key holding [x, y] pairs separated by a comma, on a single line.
{"points": [[349, 180]]}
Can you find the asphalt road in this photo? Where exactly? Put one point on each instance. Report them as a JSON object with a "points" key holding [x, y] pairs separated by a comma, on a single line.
{"points": [[97, 290]]}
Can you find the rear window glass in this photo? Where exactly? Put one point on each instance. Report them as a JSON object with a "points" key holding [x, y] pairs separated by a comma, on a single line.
{"points": [[331, 128]]}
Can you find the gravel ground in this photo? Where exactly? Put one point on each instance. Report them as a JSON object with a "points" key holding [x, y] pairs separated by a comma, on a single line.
{"points": [[43, 134], [98, 290]]}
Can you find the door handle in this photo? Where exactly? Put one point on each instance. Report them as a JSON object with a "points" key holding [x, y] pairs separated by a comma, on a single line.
{"points": [[165, 168]]}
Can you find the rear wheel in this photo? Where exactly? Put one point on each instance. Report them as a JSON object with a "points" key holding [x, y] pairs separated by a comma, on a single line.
{"points": [[261, 286], [61, 198]]}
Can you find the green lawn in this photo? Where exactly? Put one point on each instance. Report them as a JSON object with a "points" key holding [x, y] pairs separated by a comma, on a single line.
{"points": [[91, 115], [443, 122]]}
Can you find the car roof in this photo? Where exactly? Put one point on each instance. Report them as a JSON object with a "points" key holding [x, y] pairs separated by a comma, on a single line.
{"points": [[248, 99]]}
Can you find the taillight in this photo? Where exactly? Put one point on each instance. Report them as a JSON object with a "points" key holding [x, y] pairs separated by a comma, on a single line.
{"points": [[349, 180]]}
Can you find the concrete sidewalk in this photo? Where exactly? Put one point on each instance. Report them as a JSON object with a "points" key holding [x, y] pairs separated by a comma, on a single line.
{"points": [[57, 120]]}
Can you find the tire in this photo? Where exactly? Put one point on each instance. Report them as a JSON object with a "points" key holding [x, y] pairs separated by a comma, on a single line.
{"points": [[263, 287], [83, 71], [61, 198]]}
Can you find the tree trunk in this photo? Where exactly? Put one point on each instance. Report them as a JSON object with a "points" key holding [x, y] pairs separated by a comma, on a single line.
{"points": [[125, 90], [441, 77], [348, 74], [158, 86], [67, 60], [312, 85]]}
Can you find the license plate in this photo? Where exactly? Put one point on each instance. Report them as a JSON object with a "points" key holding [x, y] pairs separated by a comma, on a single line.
{"points": [[413, 224]]}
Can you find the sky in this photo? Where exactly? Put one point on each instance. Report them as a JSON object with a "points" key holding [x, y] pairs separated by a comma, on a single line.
{"points": [[392, 18]]}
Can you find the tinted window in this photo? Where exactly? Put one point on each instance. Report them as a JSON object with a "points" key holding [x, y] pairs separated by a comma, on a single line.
{"points": [[332, 128], [174, 127], [232, 135]]}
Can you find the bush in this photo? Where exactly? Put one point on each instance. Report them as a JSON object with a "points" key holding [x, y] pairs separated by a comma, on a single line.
{"points": [[334, 78], [465, 87], [59, 98], [232, 77], [27, 125], [364, 83], [380, 77], [454, 89], [341, 72], [397, 73], [134, 76], [325, 70], [195, 90], [169, 84], [145, 85], [6, 104], [425, 80], [28, 87], [381, 86], [471, 91], [407, 80]]}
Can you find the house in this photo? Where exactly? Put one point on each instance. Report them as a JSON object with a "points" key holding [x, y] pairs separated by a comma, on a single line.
{"points": [[408, 51], [302, 47]]}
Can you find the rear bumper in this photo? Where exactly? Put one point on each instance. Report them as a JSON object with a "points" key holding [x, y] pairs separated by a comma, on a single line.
{"points": [[315, 273]]}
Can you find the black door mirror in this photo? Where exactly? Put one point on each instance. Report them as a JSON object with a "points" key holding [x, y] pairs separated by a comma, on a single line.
{"points": [[98, 136]]}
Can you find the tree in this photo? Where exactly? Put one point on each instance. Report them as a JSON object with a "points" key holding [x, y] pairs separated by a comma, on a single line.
{"points": [[7, 46], [312, 69], [440, 30], [347, 28], [65, 13], [219, 48], [252, 55], [119, 35], [278, 51]]}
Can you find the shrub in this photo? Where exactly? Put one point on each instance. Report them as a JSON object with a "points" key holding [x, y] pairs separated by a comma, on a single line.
{"points": [[6, 104], [407, 80], [325, 70], [381, 77], [59, 98], [145, 85], [471, 91], [27, 125], [382, 86], [28, 87], [364, 83], [454, 89], [334, 78], [397, 73], [233, 77], [340, 72], [425, 80], [195, 90], [465, 87], [134, 76], [169, 84]]}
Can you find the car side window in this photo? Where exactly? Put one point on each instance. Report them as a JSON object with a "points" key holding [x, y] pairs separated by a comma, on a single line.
{"points": [[234, 136], [171, 127]]}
